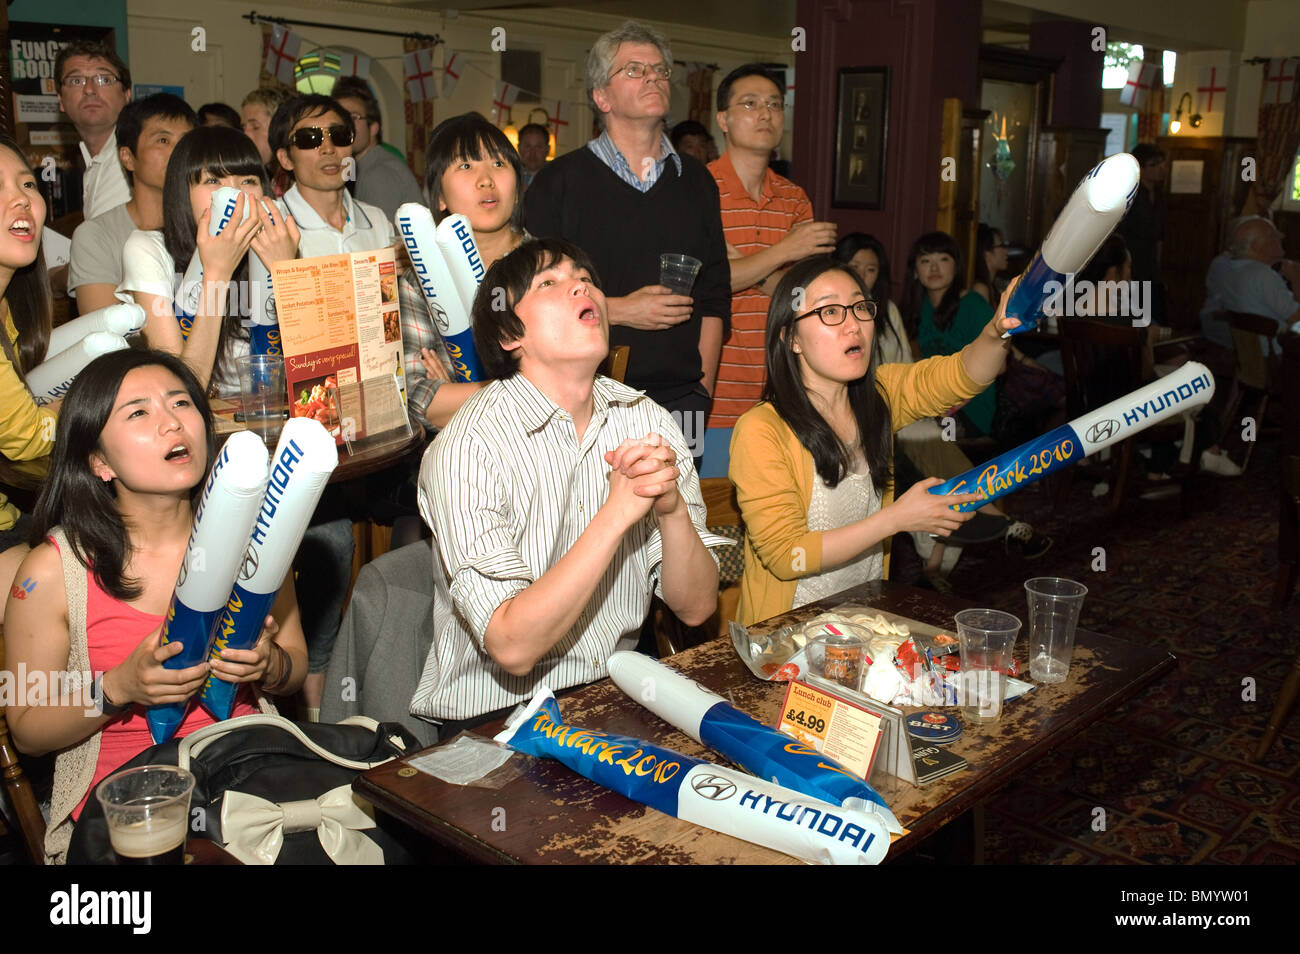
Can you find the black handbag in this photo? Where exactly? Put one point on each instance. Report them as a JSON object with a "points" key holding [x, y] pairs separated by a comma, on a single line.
{"points": [[287, 764]]}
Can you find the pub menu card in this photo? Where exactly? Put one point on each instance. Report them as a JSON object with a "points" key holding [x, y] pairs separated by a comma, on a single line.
{"points": [[341, 333]]}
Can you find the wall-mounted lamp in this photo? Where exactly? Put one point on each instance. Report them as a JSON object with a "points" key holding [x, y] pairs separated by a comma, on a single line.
{"points": [[1176, 123]]}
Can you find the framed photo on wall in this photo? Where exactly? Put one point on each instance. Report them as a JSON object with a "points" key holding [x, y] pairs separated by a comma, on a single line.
{"points": [[861, 127]]}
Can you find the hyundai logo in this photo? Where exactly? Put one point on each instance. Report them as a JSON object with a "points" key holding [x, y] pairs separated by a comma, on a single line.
{"points": [[1102, 431], [715, 788], [250, 565]]}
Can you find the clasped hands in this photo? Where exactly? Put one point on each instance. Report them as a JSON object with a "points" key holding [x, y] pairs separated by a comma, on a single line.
{"points": [[643, 478]]}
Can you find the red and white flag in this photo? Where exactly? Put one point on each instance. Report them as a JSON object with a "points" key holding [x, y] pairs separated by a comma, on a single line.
{"points": [[557, 113], [1279, 81], [451, 70], [282, 53], [354, 64], [1211, 89], [417, 69], [503, 97], [1137, 88]]}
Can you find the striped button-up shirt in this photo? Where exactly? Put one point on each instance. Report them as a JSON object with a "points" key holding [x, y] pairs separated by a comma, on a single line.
{"points": [[609, 154], [508, 488]]}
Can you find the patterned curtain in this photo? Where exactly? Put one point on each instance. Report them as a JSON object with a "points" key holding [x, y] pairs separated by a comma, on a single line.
{"points": [[419, 118], [1278, 138], [699, 80]]}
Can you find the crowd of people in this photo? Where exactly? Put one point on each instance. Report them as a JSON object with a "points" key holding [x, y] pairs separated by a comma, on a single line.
{"points": [[559, 500]]}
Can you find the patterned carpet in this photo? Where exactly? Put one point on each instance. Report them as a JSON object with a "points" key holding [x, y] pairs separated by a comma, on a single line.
{"points": [[1169, 768]]}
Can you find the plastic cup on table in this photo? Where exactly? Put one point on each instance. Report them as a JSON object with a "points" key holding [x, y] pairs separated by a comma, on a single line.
{"points": [[678, 272], [988, 641], [1054, 605], [148, 812], [262, 393]]}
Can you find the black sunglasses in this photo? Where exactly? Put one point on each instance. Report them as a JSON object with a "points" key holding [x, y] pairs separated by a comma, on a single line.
{"points": [[311, 137]]}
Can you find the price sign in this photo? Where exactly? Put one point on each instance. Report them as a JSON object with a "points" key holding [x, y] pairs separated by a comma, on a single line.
{"points": [[846, 732]]}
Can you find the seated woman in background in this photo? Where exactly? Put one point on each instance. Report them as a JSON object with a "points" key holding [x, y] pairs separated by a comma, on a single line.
{"points": [[26, 431], [474, 171], [205, 328], [109, 535], [990, 263], [812, 464], [868, 258]]}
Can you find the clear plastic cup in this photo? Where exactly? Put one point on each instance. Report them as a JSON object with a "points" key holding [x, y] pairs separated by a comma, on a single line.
{"points": [[263, 394], [1054, 605], [988, 641], [148, 811], [678, 272]]}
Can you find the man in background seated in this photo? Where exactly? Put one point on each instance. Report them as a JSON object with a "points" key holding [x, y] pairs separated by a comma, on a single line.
{"points": [[534, 147], [383, 180], [693, 139], [147, 131], [1250, 277], [559, 501]]}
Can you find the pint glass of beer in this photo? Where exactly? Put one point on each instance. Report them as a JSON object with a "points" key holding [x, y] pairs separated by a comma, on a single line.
{"points": [[148, 811]]}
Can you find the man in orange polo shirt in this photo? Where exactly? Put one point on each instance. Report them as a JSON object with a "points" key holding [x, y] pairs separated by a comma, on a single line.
{"points": [[768, 225]]}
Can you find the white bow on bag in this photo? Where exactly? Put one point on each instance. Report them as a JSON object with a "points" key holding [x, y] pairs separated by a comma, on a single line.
{"points": [[254, 828]]}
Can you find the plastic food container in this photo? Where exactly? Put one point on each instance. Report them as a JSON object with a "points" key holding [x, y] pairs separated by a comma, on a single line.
{"points": [[840, 654]]}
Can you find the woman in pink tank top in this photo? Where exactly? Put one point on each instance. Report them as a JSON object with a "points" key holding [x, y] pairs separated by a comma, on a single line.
{"points": [[131, 452]]}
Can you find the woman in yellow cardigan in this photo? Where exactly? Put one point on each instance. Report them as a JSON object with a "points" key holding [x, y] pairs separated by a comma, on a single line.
{"points": [[26, 431], [812, 462]]}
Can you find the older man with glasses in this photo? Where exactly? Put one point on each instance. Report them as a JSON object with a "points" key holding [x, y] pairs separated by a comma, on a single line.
{"points": [[628, 198], [94, 85]]}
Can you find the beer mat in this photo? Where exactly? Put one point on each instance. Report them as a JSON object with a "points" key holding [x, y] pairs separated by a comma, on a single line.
{"points": [[933, 726], [933, 762]]}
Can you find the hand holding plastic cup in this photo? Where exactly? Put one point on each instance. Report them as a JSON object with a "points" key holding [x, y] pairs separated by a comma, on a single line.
{"points": [[148, 812], [678, 272], [988, 641], [1054, 605], [262, 391]]}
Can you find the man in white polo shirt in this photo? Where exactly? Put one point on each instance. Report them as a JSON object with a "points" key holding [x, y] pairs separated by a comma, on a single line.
{"points": [[312, 136], [94, 85]]}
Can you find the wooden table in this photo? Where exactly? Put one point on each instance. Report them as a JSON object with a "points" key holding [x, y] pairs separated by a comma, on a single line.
{"points": [[552, 815]]}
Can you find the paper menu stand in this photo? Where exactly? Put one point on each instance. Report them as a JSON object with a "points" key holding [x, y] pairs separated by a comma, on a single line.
{"points": [[373, 411]]}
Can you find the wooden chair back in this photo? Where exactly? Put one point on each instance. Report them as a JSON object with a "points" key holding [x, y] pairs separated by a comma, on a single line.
{"points": [[1252, 337], [616, 363], [18, 787]]}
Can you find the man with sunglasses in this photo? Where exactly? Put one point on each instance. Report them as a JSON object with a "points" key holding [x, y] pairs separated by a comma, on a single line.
{"points": [[312, 137], [768, 224], [628, 198], [94, 85]]}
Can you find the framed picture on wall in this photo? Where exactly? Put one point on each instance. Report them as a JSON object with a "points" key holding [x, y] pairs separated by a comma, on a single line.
{"points": [[861, 127]]}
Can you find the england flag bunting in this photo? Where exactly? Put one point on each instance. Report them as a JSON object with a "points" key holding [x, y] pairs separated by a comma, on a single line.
{"points": [[282, 53], [417, 70]]}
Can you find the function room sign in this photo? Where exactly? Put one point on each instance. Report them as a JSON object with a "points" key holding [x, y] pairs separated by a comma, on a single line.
{"points": [[40, 128]]}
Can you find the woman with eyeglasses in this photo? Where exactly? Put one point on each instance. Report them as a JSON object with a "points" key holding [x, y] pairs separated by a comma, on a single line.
{"points": [[203, 324], [812, 463], [990, 262]]}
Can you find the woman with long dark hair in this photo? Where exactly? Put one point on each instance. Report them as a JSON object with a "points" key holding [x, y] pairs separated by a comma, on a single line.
{"points": [[990, 263], [26, 431], [812, 464], [203, 324], [471, 170], [109, 535]]}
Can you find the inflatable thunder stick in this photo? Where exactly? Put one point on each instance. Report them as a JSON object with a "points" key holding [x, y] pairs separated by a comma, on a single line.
{"points": [[223, 521], [1097, 205], [450, 313], [51, 380], [455, 240], [1186, 388], [300, 468], [766, 752], [122, 319], [700, 792]]}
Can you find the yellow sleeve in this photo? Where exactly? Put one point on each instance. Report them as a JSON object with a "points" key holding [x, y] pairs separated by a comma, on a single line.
{"points": [[925, 388], [26, 431], [765, 461]]}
